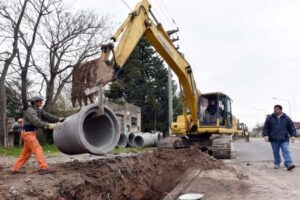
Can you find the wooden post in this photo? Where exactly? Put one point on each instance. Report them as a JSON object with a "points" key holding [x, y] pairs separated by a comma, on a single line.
{"points": [[9, 139]]}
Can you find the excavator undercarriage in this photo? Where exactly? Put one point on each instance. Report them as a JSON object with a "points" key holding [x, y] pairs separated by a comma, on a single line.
{"points": [[219, 146]]}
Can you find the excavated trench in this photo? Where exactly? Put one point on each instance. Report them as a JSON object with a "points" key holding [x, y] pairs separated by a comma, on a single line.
{"points": [[137, 176], [141, 176]]}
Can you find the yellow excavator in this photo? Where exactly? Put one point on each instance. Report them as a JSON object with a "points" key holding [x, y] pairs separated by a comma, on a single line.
{"points": [[242, 132], [206, 122]]}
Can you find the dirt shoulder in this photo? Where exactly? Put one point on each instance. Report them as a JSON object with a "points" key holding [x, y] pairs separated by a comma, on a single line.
{"points": [[269, 183]]}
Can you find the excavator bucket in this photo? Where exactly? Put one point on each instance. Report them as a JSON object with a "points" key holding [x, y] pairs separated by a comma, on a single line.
{"points": [[88, 76]]}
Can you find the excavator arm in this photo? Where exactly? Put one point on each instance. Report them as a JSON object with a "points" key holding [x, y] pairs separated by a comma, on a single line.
{"points": [[142, 23]]}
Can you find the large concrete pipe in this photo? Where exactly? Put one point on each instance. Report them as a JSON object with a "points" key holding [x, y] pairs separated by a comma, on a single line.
{"points": [[123, 141], [85, 132], [157, 137], [144, 140], [131, 137]]}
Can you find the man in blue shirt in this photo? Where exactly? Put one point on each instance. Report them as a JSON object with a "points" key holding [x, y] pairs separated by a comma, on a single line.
{"points": [[279, 129]]}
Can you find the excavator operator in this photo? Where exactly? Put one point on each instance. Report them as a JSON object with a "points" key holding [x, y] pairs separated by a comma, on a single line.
{"points": [[211, 112]]}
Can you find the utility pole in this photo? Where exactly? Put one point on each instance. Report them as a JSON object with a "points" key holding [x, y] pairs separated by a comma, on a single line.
{"points": [[170, 98]]}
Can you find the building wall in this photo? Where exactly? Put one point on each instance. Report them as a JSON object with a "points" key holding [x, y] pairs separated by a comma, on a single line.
{"points": [[129, 116]]}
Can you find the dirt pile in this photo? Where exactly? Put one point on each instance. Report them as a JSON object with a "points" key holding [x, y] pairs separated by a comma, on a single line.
{"points": [[141, 176]]}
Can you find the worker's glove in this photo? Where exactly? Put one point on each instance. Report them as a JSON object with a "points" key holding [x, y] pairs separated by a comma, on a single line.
{"points": [[54, 126], [61, 119], [266, 138], [293, 139], [51, 126]]}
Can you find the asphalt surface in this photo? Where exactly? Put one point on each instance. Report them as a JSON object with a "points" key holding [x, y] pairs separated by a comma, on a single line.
{"points": [[253, 177], [258, 150]]}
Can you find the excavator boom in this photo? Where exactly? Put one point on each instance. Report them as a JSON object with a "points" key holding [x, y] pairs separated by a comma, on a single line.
{"points": [[142, 23]]}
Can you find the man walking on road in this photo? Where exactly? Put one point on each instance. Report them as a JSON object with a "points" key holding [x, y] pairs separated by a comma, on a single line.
{"points": [[279, 129], [34, 118]]}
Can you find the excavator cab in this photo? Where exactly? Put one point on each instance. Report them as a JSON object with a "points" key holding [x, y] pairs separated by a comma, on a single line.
{"points": [[215, 110]]}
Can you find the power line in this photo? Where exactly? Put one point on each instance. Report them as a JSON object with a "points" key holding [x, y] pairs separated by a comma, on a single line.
{"points": [[166, 8], [126, 4], [163, 12], [157, 13], [158, 9], [167, 15]]}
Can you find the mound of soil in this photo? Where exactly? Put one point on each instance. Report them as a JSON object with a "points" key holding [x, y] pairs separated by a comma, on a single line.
{"points": [[141, 176]]}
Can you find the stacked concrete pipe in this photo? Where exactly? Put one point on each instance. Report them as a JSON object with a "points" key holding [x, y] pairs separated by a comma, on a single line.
{"points": [[157, 137], [86, 132], [131, 137], [123, 141], [144, 140]]}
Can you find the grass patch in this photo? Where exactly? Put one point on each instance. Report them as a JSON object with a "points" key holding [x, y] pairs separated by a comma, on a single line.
{"points": [[117, 151], [49, 150]]}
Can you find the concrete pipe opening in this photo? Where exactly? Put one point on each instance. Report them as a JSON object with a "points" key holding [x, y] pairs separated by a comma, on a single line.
{"points": [[159, 136], [144, 140], [85, 132], [122, 141], [130, 139], [102, 125], [139, 141]]}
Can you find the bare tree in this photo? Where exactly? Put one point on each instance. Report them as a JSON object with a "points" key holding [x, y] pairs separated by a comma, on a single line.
{"points": [[11, 15], [28, 37], [69, 38]]}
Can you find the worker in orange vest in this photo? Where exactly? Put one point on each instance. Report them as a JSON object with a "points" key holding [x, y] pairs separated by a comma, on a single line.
{"points": [[35, 117]]}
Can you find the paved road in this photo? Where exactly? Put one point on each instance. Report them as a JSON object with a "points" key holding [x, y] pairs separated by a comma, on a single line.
{"points": [[253, 176], [258, 150]]}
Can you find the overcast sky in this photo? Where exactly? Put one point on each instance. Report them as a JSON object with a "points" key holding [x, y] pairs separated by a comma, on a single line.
{"points": [[248, 49]]}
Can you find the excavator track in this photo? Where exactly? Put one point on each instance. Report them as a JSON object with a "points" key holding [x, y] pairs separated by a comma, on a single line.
{"points": [[222, 147]]}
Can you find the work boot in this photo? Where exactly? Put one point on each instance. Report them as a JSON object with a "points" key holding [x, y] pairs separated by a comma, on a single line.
{"points": [[46, 171], [290, 167]]}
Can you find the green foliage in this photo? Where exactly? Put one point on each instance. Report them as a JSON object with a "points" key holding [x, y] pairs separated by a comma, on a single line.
{"points": [[177, 107], [49, 150], [62, 109], [143, 82]]}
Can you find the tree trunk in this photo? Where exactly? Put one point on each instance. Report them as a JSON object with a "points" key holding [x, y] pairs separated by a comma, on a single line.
{"points": [[3, 103], [2, 113], [24, 88], [3, 97], [49, 94]]}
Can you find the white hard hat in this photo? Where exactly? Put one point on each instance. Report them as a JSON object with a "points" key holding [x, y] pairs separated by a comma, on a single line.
{"points": [[37, 98]]}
